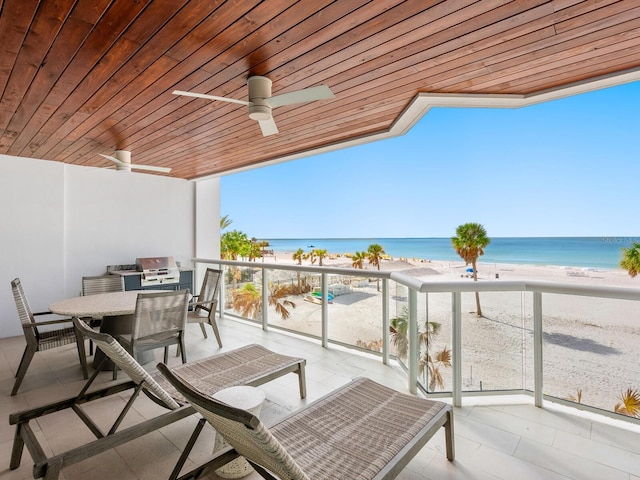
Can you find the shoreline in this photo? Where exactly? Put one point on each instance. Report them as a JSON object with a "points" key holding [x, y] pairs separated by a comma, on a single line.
{"points": [[446, 270]]}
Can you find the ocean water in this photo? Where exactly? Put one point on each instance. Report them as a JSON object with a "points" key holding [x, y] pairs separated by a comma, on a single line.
{"points": [[585, 252]]}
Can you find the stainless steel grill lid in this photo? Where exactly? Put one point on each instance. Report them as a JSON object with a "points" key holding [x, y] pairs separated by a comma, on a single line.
{"points": [[158, 271]]}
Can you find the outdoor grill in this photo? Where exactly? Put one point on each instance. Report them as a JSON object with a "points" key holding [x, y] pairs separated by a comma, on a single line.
{"points": [[158, 271]]}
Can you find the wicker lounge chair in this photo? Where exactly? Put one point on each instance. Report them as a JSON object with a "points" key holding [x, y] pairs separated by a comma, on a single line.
{"points": [[360, 431], [250, 365]]}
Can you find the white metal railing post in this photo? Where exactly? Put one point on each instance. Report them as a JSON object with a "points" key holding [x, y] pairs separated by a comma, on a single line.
{"points": [[265, 299], [221, 293], [537, 349], [413, 341], [385, 321], [325, 311], [456, 331]]}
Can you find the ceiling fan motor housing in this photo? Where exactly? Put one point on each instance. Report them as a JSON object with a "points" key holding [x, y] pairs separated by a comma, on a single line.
{"points": [[259, 92]]}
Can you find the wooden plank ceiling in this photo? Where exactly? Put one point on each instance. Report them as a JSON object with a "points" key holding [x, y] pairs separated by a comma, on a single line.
{"points": [[83, 77]]}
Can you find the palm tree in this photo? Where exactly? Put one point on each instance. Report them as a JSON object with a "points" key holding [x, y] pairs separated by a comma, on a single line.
{"points": [[248, 300], [320, 253], [298, 255], [375, 253], [225, 221], [629, 403], [400, 339], [631, 259], [470, 241], [311, 256], [357, 259]]}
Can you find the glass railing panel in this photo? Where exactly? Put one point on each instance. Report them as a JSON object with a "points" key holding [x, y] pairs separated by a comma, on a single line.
{"points": [[292, 305], [240, 287], [495, 345], [399, 322], [435, 372], [355, 311], [591, 348]]}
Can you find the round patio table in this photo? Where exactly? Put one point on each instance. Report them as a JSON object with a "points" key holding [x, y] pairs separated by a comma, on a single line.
{"points": [[116, 310]]}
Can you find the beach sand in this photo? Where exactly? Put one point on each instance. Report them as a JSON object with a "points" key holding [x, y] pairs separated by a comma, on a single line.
{"points": [[590, 344]]}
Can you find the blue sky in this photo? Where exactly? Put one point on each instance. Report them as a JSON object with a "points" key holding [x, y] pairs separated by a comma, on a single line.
{"points": [[564, 168]]}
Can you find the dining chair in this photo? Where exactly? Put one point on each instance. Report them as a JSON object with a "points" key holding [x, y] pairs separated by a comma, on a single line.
{"points": [[206, 302], [100, 284], [159, 322], [38, 338]]}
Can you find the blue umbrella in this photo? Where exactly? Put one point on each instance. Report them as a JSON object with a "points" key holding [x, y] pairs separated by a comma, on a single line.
{"points": [[470, 270]]}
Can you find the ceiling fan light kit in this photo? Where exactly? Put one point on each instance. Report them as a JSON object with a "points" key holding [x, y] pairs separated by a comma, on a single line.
{"points": [[261, 103]]}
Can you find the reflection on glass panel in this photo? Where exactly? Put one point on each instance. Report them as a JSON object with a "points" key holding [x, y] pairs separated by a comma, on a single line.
{"points": [[495, 345], [398, 323], [355, 311], [434, 324], [292, 305], [591, 348], [239, 283]]}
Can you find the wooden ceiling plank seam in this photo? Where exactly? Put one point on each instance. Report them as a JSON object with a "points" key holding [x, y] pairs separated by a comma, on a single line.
{"points": [[573, 12], [602, 66], [613, 26], [103, 54], [71, 37], [476, 64], [446, 52], [578, 47], [42, 32], [625, 61], [409, 49], [593, 16], [14, 26], [342, 49], [559, 64]]}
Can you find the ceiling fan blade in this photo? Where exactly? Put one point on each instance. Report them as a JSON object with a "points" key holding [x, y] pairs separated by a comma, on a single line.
{"points": [[268, 127], [210, 97], [321, 92], [151, 168], [113, 159]]}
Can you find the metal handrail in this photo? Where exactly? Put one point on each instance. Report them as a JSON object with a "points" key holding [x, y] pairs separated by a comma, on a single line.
{"points": [[456, 288]]}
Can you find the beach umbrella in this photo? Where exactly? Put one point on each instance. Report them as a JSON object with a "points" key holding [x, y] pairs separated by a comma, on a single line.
{"points": [[470, 270]]}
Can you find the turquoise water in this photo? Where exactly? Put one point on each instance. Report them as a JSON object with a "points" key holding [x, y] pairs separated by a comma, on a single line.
{"points": [[593, 252]]}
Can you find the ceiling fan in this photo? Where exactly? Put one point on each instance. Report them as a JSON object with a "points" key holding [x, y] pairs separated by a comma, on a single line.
{"points": [[261, 102], [123, 163]]}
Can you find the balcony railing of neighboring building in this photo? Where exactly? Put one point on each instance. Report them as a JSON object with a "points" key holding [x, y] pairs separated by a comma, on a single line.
{"points": [[524, 343]]}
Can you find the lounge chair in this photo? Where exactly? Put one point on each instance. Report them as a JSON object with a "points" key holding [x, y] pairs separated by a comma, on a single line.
{"points": [[360, 431], [250, 365]]}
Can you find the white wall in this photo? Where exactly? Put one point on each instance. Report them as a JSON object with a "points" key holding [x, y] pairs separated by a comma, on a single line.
{"points": [[60, 222]]}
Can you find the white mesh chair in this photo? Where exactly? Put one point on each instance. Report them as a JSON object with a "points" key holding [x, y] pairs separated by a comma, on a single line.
{"points": [[249, 365], [159, 322], [100, 284], [360, 431], [204, 311], [38, 338]]}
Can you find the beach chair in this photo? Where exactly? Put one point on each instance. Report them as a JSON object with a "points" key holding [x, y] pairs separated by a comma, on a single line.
{"points": [[360, 431], [249, 365]]}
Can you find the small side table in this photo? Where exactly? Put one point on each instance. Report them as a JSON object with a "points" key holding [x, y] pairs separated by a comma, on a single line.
{"points": [[246, 398]]}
